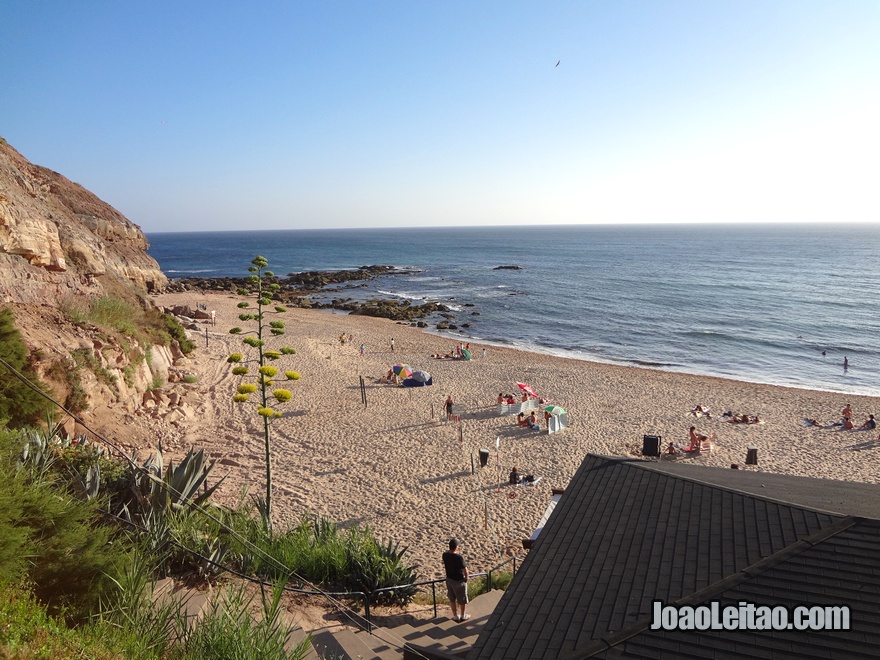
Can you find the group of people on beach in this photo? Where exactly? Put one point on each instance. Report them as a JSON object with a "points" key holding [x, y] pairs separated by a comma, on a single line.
{"points": [[846, 422], [531, 420]]}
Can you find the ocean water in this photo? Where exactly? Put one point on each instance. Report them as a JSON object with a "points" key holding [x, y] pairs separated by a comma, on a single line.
{"points": [[753, 303]]}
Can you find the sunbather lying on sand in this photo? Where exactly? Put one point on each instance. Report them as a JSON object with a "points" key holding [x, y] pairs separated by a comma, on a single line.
{"points": [[699, 410], [744, 419]]}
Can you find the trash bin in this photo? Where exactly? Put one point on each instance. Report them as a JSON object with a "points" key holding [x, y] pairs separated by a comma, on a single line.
{"points": [[651, 445], [752, 456], [484, 457]]}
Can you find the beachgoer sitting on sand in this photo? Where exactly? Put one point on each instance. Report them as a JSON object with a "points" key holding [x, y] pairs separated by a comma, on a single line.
{"points": [[869, 424], [533, 422], [514, 477], [847, 424], [500, 399], [671, 448], [521, 420], [510, 400]]}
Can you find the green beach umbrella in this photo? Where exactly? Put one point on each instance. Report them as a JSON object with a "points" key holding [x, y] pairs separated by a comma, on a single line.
{"points": [[554, 410]]}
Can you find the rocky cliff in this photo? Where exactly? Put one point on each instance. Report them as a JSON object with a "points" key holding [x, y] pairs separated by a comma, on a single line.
{"points": [[62, 248], [57, 238]]}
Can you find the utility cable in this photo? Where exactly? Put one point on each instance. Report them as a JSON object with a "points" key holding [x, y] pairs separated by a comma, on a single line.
{"points": [[341, 607]]}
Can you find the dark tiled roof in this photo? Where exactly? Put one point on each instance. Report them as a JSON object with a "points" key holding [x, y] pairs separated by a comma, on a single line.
{"points": [[626, 533]]}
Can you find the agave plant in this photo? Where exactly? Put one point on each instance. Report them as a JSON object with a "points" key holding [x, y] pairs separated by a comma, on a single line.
{"points": [[158, 491], [374, 566]]}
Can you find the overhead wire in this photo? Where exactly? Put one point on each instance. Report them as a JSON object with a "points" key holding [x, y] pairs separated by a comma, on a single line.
{"points": [[339, 605]]}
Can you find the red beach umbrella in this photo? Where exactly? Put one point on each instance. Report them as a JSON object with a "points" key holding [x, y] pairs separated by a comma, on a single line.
{"points": [[525, 387]]}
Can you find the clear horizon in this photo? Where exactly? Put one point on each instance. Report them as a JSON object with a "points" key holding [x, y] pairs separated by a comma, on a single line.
{"points": [[220, 117]]}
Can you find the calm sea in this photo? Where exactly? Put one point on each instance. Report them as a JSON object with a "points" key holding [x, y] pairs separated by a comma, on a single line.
{"points": [[754, 303]]}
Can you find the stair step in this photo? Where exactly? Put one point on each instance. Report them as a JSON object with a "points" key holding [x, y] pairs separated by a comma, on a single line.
{"points": [[345, 644], [297, 637], [454, 637]]}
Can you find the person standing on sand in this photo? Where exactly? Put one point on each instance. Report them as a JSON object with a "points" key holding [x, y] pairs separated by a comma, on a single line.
{"points": [[448, 405], [363, 350], [847, 413], [392, 344], [456, 581]]}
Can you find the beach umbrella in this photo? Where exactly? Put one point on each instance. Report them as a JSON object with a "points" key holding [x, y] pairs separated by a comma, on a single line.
{"points": [[525, 387], [466, 354], [402, 370], [421, 376], [554, 410]]}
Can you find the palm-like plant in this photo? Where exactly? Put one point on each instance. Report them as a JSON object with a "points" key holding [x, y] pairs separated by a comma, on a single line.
{"points": [[265, 373]]}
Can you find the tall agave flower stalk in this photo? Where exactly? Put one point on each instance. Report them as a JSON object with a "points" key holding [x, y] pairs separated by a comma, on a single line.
{"points": [[264, 385]]}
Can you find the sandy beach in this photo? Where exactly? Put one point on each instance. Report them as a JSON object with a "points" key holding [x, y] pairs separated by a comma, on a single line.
{"points": [[399, 467]]}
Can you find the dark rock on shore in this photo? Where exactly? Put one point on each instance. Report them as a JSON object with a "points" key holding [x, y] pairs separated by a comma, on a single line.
{"points": [[507, 268], [297, 287]]}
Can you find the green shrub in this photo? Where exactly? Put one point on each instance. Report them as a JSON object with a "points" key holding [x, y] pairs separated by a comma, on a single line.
{"points": [[116, 313], [28, 631], [320, 553], [178, 332], [230, 630], [68, 555], [19, 405]]}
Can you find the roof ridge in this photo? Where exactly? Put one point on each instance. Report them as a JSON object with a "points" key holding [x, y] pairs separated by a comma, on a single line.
{"points": [[651, 466], [611, 640]]}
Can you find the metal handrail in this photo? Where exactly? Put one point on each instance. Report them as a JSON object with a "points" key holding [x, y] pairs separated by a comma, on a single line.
{"points": [[368, 598], [433, 583]]}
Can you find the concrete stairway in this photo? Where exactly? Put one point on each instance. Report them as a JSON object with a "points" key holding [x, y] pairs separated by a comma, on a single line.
{"points": [[441, 635]]}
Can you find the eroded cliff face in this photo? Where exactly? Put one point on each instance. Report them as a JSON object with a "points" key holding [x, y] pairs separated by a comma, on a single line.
{"points": [[57, 238], [61, 245]]}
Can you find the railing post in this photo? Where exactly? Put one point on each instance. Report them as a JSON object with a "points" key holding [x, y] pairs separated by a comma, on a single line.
{"points": [[367, 613], [434, 596]]}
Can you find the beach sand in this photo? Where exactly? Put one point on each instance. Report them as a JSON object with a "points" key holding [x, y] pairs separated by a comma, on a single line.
{"points": [[399, 467]]}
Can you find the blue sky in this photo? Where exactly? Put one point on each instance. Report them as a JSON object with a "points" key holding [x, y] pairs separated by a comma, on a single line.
{"points": [[191, 116]]}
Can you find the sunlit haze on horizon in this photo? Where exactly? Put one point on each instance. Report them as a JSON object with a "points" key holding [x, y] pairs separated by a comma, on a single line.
{"points": [[205, 116]]}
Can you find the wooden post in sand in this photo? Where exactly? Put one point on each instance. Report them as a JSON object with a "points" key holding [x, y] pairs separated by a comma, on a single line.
{"points": [[498, 460], [363, 391], [206, 337]]}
